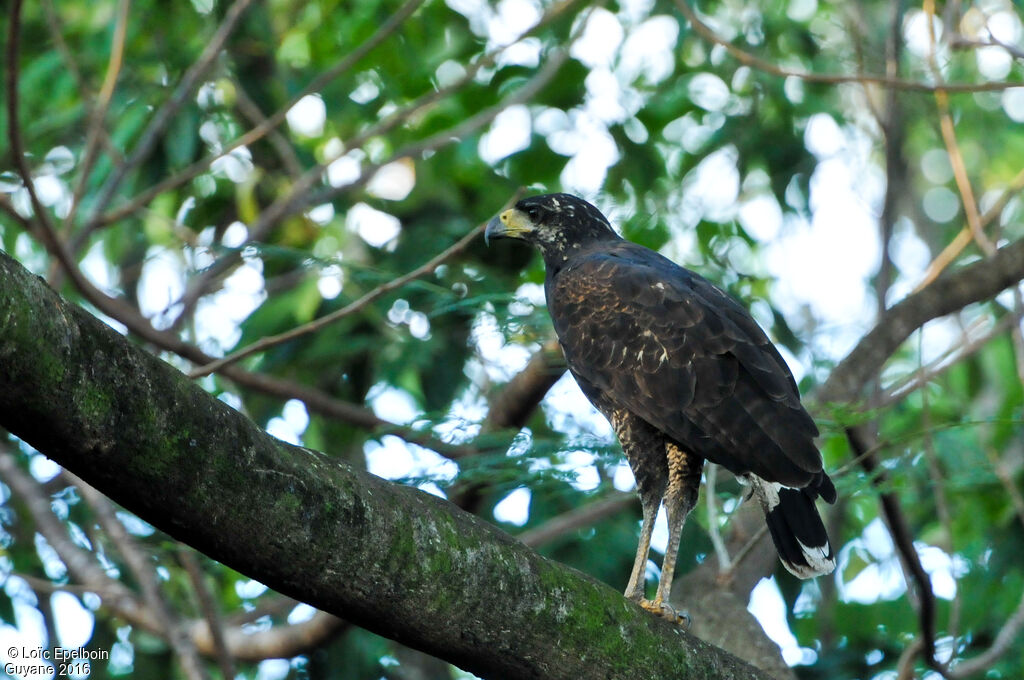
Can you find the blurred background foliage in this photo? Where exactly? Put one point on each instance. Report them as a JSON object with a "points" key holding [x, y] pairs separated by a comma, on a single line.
{"points": [[233, 170]]}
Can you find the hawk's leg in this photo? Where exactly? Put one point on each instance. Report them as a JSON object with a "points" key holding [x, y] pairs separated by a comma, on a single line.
{"points": [[683, 487], [644, 449], [635, 587]]}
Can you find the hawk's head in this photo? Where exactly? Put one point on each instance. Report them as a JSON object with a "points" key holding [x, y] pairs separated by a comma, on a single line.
{"points": [[557, 224]]}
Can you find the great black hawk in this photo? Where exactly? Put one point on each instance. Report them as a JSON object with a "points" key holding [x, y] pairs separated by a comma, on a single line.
{"points": [[684, 374]]}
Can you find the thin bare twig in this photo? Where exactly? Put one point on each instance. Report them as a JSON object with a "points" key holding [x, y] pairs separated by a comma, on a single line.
{"points": [[861, 442], [251, 111], [749, 545], [577, 518], [71, 64], [263, 128], [963, 237], [1005, 639], [748, 59], [317, 324], [956, 158], [209, 609], [954, 355], [961, 43], [99, 110], [143, 572], [165, 114], [277, 642], [905, 665], [711, 479], [80, 563]]}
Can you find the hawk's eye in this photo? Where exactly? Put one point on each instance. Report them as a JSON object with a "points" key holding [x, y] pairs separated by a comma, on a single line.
{"points": [[533, 212]]}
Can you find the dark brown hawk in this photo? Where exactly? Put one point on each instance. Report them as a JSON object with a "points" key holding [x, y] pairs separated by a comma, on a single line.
{"points": [[684, 375]]}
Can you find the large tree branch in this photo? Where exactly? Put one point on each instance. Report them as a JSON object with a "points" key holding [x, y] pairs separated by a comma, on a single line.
{"points": [[513, 405], [397, 561], [976, 282]]}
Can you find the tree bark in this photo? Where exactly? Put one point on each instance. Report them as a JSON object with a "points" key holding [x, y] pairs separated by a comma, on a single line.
{"points": [[397, 561], [976, 282]]}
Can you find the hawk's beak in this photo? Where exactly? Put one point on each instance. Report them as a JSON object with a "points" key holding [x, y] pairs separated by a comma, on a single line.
{"points": [[510, 224]]}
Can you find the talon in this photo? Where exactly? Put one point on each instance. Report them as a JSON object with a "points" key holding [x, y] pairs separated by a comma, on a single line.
{"points": [[666, 611]]}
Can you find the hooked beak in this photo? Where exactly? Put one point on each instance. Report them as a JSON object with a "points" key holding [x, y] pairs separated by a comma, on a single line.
{"points": [[510, 224]]}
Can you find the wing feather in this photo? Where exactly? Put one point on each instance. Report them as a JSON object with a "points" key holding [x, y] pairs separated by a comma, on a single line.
{"points": [[649, 336]]}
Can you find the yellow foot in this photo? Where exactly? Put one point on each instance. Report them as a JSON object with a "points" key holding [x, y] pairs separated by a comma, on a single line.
{"points": [[666, 611]]}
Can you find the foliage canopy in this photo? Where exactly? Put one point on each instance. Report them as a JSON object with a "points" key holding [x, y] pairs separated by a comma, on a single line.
{"points": [[207, 175]]}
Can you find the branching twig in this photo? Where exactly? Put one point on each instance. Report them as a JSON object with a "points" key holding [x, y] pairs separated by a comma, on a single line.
{"points": [[1005, 639], [959, 43], [749, 545], [165, 114], [99, 110], [511, 407], [143, 573], [963, 237], [711, 477], [277, 642], [755, 62], [89, 577], [209, 609], [975, 282], [81, 564], [349, 309], [956, 159], [71, 64], [860, 442], [577, 518], [953, 356]]}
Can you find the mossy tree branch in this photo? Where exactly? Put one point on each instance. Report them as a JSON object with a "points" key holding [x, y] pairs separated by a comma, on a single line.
{"points": [[397, 561]]}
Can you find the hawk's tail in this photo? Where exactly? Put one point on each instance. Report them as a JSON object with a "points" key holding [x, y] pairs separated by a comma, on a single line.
{"points": [[795, 524]]}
